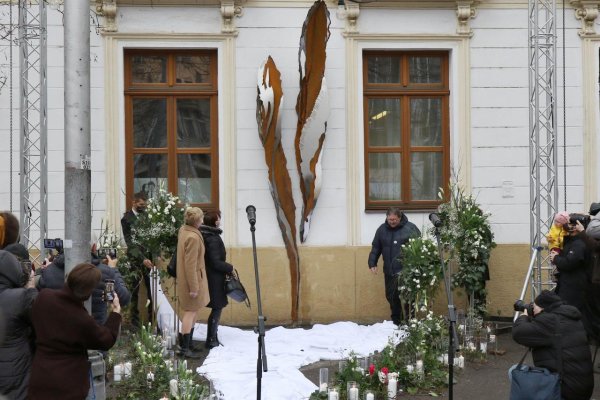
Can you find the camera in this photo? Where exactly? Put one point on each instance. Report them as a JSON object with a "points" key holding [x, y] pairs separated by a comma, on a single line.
{"points": [[521, 306], [55, 244], [107, 251], [109, 290], [584, 219]]}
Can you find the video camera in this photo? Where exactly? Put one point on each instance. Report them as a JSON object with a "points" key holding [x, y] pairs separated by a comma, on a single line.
{"points": [[521, 306], [55, 244], [109, 290], [107, 251]]}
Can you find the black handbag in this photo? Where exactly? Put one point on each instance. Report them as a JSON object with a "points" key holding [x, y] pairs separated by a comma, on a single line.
{"points": [[235, 289], [533, 383]]}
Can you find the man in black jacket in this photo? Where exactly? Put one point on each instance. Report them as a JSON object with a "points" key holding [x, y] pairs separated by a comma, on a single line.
{"points": [[555, 327], [388, 241], [137, 256]]}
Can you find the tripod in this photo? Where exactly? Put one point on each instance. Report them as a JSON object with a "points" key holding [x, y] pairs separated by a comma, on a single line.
{"points": [[452, 336], [261, 361]]}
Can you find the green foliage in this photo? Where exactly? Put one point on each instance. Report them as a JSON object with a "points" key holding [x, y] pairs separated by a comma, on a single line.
{"points": [[145, 352], [422, 273], [468, 240], [155, 231]]}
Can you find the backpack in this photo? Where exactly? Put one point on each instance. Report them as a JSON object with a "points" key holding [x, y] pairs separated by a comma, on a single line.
{"points": [[172, 267]]}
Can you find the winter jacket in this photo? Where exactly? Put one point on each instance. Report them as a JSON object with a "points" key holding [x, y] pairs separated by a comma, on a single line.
{"points": [[591, 311], [593, 228], [64, 333], [216, 266], [53, 276], [573, 278], [539, 334], [98, 304], [191, 270], [388, 242], [16, 348]]}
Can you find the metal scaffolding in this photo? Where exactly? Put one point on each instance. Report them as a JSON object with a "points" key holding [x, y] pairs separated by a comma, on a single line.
{"points": [[33, 125], [543, 159]]}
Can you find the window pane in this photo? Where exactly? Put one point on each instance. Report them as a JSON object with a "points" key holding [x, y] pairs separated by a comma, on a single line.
{"points": [[149, 172], [149, 123], [426, 175], [194, 179], [193, 123], [383, 69], [384, 122], [425, 69], [149, 69], [384, 176], [426, 122], [192, 69]]}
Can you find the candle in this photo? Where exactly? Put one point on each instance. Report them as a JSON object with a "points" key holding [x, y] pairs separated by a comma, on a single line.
{"points": [[127, 369], [483, 347], [117, 372], [445, 359], [461, 361], [419, 367], [333, 395], [173, 387], [410, 368], [323, 387], [150, 377], [392, 387], [353, 393], [370, 396]]}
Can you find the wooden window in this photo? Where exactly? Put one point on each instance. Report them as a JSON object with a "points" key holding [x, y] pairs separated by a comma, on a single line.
{"points": [[406, 125], [171, 124]]}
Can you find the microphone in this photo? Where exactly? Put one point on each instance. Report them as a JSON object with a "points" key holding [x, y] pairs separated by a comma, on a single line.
{"points": [[435, 220], [251, 211]]}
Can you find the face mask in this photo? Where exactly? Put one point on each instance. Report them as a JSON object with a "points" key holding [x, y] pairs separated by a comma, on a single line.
{"points": [[140, 209]]}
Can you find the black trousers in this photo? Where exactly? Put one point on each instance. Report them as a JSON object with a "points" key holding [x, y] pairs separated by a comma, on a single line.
{"points": [[135, 312], [399, 313]]}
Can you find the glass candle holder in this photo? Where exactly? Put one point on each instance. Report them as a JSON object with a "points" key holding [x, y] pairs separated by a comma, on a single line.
{"points": [[353, 390], [323, 379]]}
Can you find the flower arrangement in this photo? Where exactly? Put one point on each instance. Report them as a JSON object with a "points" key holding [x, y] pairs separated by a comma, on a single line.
{"points": [[468, 240], [154, 377], [422, 272], [155, 231]]}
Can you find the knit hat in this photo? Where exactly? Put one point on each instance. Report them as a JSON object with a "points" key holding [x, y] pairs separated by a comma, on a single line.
{"points": [[546, 299], [561, 218], [594, 208]]}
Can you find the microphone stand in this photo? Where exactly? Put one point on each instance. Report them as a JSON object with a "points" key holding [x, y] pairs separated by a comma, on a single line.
{"points": [[452, 336], [261, 362]]}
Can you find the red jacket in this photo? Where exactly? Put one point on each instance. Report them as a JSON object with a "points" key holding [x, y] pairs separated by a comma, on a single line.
{"points": [[64, 332]]}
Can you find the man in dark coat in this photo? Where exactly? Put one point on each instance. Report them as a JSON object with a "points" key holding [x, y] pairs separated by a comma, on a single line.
{"points": [[64, 333], [137, 256], [554, 327], [16, 300], [108, 268], [572, 274], [216, 269], [388, 241]]}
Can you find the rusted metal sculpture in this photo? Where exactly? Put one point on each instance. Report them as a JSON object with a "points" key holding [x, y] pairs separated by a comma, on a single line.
{"points": [[268, 104], [312, 108]]}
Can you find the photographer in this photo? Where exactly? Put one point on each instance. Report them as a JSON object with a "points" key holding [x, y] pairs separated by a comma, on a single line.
{"points": [[571, 264], [553, 327], [100, 296]]}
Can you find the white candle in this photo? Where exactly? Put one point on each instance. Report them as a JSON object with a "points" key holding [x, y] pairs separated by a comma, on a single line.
{"points": [[333, 395], [392, 388], [419, 367], [117, 372], [445, 359], [461, 361], [353, 393], [323, 387], [410, 368], [173, 387], [150, 376], [370, 396], [483, 347], [127, 369]]}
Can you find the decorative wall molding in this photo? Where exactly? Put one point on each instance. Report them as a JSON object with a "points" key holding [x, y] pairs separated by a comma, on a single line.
{"points": [[586, 11], [108, 9], [229, 10], [350, 16], [465, 11]]}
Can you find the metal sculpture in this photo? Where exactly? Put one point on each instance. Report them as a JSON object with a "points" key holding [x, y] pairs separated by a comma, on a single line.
{"points": [[312, 108], [268, 105]]}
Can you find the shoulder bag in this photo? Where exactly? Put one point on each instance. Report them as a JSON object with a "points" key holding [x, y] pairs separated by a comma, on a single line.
{"points": [[235, 289]]}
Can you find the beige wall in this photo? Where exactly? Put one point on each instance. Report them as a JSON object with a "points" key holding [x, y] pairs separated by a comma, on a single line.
{"points": [[337, 286]]}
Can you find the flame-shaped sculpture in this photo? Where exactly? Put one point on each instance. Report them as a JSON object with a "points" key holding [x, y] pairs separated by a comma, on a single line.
{"points": [[312, 108], [268, 104]]}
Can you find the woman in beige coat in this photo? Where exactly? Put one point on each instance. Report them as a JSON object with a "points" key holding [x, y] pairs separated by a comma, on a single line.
{"points": [[192, 285]]}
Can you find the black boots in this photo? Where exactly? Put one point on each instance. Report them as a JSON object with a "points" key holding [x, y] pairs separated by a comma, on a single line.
{"points": [[212, 340], [185, 350]]}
